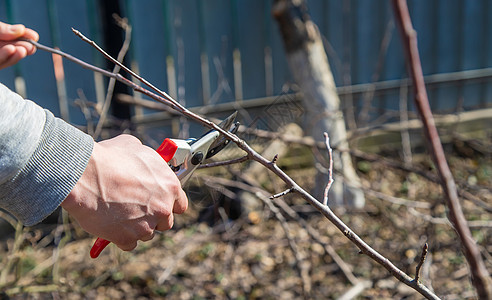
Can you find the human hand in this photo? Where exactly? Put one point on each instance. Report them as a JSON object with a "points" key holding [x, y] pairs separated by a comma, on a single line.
{"points": [[126, 192], [12, 51]]}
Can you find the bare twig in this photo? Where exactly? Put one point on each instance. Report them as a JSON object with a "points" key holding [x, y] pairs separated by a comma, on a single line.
{"points": [[480, 276], [421, 262], [225, 163], [445, 221], [330, 169], [126, 69], [281, 194], [396, 200]]}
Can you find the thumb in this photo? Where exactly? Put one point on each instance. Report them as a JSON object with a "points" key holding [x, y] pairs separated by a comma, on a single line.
{"points": [[10, 32]]}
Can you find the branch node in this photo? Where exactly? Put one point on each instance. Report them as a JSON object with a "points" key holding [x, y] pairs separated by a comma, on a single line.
{"points": [[274, 160]]}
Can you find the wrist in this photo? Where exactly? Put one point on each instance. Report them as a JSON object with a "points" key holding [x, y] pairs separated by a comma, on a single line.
{"points": [[80, 196]]}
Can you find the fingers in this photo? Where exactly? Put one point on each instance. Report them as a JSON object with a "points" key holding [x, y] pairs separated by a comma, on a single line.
{"points": [[6, 52], [143, 232], [11, 32], [165, 223], [181, 202], [12, 51], [148, 237], [31, 34], [28, 47], [10, 55]]}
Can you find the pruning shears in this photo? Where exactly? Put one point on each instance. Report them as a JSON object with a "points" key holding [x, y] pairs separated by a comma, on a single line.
{"points": [[184, 157]]}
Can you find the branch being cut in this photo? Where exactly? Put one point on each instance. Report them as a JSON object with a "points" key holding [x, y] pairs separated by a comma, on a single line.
{"points": [[253, 155], [480, 276]]}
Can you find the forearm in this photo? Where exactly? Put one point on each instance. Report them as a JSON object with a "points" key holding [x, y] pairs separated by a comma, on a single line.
{"points": [[41, 159]]}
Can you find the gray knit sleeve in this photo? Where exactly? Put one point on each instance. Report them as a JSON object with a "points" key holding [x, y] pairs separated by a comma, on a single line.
{"points": [[41, 158]]}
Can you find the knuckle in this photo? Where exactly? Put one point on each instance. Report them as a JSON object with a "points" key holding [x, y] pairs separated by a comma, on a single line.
{"points": [[174, 187], [163, 211]]}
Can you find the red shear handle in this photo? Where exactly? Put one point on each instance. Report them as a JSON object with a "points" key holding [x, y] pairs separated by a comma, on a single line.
{"points": [[166, 150], [99, 246]]}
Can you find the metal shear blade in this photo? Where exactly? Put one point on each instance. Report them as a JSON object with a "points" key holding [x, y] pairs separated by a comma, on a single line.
{"points": [[189, 156], [228, 124]]}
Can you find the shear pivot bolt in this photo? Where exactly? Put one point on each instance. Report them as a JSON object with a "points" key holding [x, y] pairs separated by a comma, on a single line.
{"points": [[197, 158]]}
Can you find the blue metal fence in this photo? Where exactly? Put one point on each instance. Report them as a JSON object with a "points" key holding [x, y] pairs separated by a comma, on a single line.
{"points": [[218, 51]]}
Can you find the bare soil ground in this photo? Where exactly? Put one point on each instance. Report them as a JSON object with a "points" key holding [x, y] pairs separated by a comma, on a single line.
{"points": [[251, 257]]}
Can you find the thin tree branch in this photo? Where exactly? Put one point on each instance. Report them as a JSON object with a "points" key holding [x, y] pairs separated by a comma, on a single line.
{"points": [[396, 200], [122, 66], [330, 169], [281, 194], [225, 162], [273, 167], [445, 221], [421, 262], [479, 274]]}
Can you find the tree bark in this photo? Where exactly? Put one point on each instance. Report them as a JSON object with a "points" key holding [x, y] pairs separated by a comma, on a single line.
{"points": [[308, 63], [480, 275]]}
